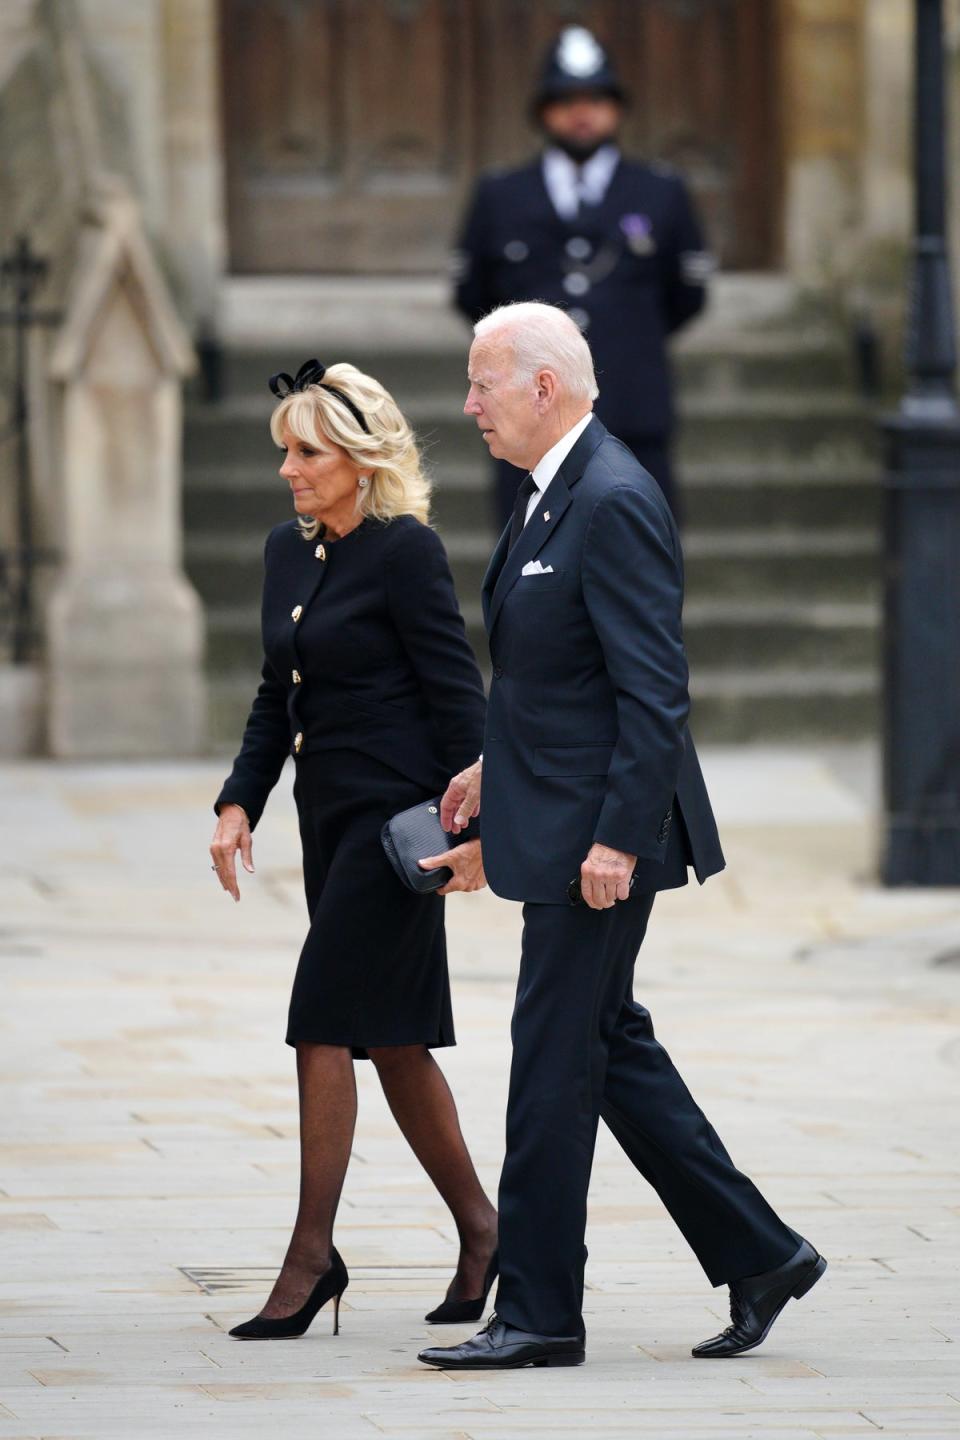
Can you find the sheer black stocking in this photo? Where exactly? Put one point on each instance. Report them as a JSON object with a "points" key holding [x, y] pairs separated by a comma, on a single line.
{"points": [[423, 1107], [328, 1116]]}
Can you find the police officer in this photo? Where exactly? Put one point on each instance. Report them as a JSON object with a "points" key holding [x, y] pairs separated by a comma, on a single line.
{"points": [[616, 243]]}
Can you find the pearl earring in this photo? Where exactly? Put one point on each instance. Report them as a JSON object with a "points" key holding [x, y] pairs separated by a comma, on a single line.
{"points": [[364, 481]]}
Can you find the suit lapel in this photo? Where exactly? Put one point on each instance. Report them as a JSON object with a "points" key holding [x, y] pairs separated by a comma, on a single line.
{"points": [[493, 572], [505, 570]]}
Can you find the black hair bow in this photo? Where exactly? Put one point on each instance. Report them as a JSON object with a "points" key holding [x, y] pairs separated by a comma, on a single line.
{"points": [[311, 372]]}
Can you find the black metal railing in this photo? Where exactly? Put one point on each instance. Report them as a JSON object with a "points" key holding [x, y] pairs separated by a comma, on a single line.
{"points": [[22, 272]]}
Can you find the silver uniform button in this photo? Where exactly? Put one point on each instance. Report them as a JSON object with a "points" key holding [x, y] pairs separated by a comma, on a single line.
{"points": [[516, 250], [579, 316], [576, 283], [578, 248]]}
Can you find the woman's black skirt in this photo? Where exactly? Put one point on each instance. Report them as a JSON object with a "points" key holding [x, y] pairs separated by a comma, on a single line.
{"points": [[373, 968]]}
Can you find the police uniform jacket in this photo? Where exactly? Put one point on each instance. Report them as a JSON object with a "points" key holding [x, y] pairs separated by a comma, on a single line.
{"points": [[586, 737], [630, 270], [364, 650]]}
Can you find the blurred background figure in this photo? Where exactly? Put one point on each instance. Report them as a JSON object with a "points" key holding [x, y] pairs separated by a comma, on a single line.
{"points": [[614, 241]]}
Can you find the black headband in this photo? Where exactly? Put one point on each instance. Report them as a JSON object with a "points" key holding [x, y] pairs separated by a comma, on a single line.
{"points": [[311, 372]]}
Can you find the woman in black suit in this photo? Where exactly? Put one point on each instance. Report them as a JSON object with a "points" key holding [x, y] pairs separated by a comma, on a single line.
{"points": [[370, 683]]}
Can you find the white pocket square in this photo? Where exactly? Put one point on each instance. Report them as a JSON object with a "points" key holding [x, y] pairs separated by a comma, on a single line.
{"points": [[533, 567]]}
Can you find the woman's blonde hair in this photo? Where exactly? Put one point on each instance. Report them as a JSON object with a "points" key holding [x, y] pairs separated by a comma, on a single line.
{"points": [[389, 453]]}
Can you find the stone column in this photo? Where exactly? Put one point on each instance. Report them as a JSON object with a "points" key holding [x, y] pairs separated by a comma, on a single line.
{"points": [[822, 63], [194, 234], [125, 629]]}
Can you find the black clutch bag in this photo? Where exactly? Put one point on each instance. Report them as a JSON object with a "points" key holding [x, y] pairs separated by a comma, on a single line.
{"points": [[413, 835]]}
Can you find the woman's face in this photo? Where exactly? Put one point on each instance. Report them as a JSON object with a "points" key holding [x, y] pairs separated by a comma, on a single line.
{"points": [[323, 481]]}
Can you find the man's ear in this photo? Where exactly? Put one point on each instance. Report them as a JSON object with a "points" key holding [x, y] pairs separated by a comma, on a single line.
{"points": [[546, 383]]}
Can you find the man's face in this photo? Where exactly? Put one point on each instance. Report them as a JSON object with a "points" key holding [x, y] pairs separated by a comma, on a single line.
{"points": [[505, 411], [582, 121]]}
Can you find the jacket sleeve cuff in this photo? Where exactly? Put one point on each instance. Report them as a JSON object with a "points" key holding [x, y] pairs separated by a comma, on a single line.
{"points": [[647, 839], [238, 794]]}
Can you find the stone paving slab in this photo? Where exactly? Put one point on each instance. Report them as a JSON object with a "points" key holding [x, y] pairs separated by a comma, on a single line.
{"points": [[148, 1160]]}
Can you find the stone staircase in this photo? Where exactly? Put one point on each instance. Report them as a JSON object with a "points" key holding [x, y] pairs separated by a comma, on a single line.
{"points": [[780, 476]]}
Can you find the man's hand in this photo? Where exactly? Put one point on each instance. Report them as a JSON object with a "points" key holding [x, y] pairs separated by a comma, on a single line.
{"points": [[465, 861], [462, 799], [232, 834], [605, 877]]}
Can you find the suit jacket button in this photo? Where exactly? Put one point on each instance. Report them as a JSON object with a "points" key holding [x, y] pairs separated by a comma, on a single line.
{"points": [[297, 742], [296, 612], [296, 677]]}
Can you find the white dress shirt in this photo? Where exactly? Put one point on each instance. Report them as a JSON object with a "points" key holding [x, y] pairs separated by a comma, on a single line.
{"points": [[569, 184], [545, 469]]}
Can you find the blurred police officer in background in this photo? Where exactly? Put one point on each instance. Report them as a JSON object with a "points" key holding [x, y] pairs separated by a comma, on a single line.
{"points": [[615, 242]]}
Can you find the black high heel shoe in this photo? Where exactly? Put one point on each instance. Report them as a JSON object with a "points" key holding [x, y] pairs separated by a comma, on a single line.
{"points": [[330, 1286], [459, 1312]]}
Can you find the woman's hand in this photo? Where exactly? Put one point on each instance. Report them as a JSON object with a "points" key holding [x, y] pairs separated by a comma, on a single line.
{"points": [[462, 799], [232, 834], [466, 862]]}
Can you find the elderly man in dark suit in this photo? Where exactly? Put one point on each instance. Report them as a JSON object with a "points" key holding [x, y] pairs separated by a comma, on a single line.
{"points": [[614, 241], [591, 800]]}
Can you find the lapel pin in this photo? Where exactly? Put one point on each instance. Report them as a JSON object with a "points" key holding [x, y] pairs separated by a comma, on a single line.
{"points": [[546, 514]]}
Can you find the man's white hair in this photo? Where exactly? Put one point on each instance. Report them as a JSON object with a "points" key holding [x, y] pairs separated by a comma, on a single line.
{"points": [[543, 337]]}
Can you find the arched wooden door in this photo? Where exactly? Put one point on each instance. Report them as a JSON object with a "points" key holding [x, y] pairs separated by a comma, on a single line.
{"points": [[354, 127]]}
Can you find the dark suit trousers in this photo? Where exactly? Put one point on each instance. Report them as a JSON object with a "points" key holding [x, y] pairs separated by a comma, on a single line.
{"points": [[583, 1048]]}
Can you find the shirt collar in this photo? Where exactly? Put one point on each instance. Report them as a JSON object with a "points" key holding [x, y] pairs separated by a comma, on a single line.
{"points": [[545, 469], [567, 182]]}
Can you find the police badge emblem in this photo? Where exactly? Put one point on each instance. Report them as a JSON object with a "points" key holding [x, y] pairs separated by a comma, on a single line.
{"points": [[578, 52], [638, 230]]}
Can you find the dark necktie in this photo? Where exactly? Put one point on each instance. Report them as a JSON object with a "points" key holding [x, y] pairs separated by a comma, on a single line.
{"points": [[527, 487]]}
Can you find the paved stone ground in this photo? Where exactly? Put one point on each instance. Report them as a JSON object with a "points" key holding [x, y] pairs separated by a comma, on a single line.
{"points": [[148, 1155]]}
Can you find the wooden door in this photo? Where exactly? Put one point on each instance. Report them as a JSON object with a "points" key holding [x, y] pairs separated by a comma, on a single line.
{"points": [[353, 128]]}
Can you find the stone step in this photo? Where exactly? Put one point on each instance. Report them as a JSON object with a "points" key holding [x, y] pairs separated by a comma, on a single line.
{"points": [[777, 458], [233, 640], [719, 495], [753, 566], [252, 498], [709, 362], [823, 428], [718, 634], [728, 707], [734, 706], [746, 636], [244, 499]]}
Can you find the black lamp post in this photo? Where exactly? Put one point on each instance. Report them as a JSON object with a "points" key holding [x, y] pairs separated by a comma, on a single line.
{"points": [[922, 579]]}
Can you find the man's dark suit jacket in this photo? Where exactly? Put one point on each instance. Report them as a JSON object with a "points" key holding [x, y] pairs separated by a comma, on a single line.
{"points": [[586, 737]]}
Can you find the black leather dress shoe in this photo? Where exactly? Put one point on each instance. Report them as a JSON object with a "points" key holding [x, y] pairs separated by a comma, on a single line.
{"points": [[499, 1347], [756, 1301]]}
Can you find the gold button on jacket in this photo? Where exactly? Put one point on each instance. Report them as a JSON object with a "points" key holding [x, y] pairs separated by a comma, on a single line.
{"points": [[296, 612], [297, 742]]}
